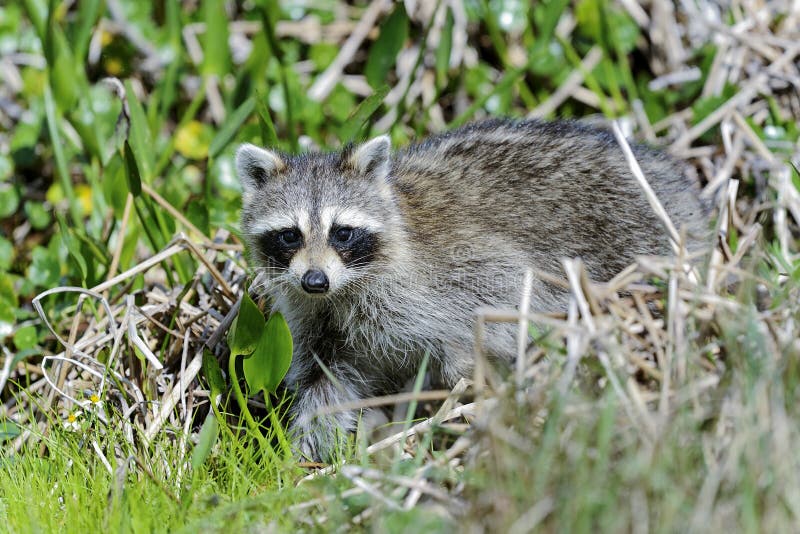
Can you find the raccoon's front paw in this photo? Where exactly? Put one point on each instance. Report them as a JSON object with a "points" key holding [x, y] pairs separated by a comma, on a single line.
{"points": [[318, 439], [318, 446]]}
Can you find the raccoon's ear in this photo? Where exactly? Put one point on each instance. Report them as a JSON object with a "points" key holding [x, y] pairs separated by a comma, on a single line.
{"points": [[372, 158], [256, 166]]}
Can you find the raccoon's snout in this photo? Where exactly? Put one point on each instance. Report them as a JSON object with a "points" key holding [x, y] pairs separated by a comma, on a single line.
{"points": [[315, 281]]}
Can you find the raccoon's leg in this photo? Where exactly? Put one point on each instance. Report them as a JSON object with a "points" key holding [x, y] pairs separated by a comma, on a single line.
{"points": [[457, 360], [454, 362], [319, 436]]}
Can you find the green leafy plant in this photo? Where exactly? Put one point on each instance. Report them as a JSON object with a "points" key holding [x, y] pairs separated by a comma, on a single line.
{"points": [[266, 349]]}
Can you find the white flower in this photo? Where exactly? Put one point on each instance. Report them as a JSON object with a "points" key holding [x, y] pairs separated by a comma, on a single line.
{"points": [[71, 423]]}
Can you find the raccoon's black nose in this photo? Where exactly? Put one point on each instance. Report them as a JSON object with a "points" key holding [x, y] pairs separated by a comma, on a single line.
{"points": [[315, 281]]}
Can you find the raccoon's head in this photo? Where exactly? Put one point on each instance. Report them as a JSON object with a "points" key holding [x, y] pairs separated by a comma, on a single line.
{"points": [[319, 223]]}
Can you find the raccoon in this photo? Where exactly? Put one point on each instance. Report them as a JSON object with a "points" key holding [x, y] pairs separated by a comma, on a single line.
{"points": [[377, 258]]}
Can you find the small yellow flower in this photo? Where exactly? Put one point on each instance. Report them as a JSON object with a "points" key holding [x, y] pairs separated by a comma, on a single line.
{"points": [[94, 398], [55, 193], [113, 66], [193, 139], [84, 194], [72, 424]]}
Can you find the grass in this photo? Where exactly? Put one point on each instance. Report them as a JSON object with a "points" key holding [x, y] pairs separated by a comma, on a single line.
{"points": [[77, 494], [657, 402]]}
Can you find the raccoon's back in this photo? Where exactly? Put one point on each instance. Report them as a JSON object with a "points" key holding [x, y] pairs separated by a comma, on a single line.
{"points": [[552, 190]]}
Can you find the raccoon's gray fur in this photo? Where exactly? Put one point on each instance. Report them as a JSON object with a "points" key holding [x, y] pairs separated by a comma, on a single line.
{"points": [[376, 258]]}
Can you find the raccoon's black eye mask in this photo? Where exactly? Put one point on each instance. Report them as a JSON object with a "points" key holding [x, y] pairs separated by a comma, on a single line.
{"points": [[342, 234], [291, 238], [278, 246], [356, 246]]}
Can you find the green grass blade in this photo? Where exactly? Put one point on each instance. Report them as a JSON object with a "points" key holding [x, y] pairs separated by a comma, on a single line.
{"points": [[358, 119], [139, 136], [383, 53], [268, 136], [62, 167], [216, 56], [269, 10], [231, 126]]}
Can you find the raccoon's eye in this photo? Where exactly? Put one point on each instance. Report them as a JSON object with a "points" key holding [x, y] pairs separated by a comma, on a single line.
{"points": [[290, 238], [343, 234]]}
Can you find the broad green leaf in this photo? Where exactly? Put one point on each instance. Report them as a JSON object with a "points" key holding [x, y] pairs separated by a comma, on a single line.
{"points": [[205, 440], [197, 212], [213, 374], [86, 124], [54, 194], [362, 113], [131, 240], [547, 60], [92, 247], [153, 226], [73, 247], [231, 126], [9, 200], [132, 171], [383, 53], [246, 328], [114, 181], [703, 107], [37, 215], [25, 338], [268, 364], [7, 292], [339, 105], [6, 254], [624, 30], [45, 268], [6, 318], [23, 355], [8, 430], [26, 134], [139, 136], [6, 167], [103, 354], [323, 54]]}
